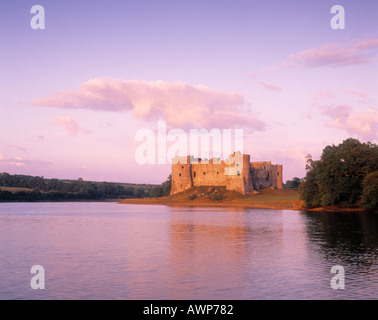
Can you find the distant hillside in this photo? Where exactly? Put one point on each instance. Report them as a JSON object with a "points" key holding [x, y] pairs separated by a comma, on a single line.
{"points": [[34, 188]]}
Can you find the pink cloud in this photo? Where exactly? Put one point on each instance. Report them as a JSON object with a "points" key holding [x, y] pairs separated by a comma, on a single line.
{"points": [[20, 162], [357, 93], [322, 95], [71, 125], [336, 112], [317, 97], [180, 104], [274, 87], [366, 44], [335, 55], [363, 124]]}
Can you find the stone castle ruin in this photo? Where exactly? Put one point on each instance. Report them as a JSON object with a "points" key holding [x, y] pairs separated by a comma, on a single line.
{"points": [[235, 173]]}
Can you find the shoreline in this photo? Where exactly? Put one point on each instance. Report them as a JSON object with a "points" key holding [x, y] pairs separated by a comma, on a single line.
{"points": [[210, 204], [243, 205], [266, 199], [115, 200], [337, 209]]}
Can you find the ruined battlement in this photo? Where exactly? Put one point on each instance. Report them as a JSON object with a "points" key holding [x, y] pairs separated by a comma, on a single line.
{"points": [[235, 173]]}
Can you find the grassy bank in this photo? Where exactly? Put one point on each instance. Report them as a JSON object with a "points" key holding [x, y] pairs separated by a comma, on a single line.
{"points": [[218, 197]]}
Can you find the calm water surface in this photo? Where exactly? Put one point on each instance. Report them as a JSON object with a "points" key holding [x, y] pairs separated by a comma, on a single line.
{"points": [[113, 251]]}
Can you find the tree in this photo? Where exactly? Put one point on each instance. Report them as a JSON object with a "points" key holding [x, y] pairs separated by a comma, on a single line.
{"points": [[293, 184], [370, 192], [163, 190], [167, 186], [138, 193], [156, 191], [336, 179]]}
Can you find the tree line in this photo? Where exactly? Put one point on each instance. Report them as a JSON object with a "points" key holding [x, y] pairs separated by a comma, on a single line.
{"points": [[41, 189], [346, 175]]}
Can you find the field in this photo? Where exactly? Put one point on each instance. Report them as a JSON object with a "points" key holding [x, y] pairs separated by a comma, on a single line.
{"points": [[14, 189], [219, 196]]}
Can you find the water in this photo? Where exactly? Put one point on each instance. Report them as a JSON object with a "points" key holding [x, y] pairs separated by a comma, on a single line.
{"points": [[113, 251]]}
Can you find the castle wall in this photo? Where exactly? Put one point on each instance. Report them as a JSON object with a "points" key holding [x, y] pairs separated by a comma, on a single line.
{"points": [[236, 173], [265, 175]]}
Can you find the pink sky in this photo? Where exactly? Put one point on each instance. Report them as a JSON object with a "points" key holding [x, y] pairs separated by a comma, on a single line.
{"points": [[75, 94]]}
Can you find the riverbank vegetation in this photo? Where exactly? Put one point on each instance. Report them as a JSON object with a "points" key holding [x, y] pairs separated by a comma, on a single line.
{"points": [[31, 188], [345, 176]]}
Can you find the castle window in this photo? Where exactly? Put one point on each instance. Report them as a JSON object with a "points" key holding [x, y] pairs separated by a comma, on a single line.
{"points": [[217, 172], [238, 173], [204, 172], [237, 164], [278, 173], [182, 167], [179, 174], [194, 174]]}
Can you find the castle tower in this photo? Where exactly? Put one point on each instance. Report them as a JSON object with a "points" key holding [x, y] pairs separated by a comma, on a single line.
{"points": [[247, 176], [279, 176], [181, 174]]}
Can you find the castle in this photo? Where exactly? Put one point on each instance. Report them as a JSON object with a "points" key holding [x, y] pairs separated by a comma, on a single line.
{"points": [[236, 173]]}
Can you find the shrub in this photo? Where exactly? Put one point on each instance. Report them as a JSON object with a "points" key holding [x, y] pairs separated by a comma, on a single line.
{"points": [[192, 196], [216, 196]]}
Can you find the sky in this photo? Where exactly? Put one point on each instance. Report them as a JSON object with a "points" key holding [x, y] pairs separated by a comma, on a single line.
{"points": [[75, 95]]}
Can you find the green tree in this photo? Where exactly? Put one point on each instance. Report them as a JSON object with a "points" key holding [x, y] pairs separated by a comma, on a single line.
{"points": [[336, 179], [156, 191], [167, 186], [293, 184], [138, 193], [370, 192]]}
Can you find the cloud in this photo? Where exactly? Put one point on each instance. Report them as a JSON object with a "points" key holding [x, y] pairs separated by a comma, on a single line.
{"points": [[322, 95], [274, 87], [363, 124], [335, 55], [357, 93], [317, 98], [71, 125], [179, 104], [15, 147], [21, 162]]}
